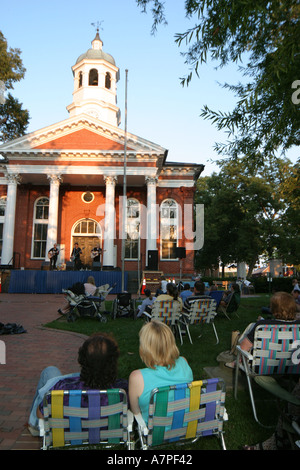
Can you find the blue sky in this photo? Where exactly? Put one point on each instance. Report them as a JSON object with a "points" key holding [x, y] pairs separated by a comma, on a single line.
{"points": [[52, 34]]}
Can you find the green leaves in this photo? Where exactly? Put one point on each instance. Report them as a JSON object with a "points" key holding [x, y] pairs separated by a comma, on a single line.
{"points": [[265, 35], [13, 119]]}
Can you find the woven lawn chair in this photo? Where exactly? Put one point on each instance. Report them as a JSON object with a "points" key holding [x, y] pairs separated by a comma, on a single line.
{"points": [[80, 418], [167, 311], [272, 355], [232, 305], [185, 412], [201, 311]]}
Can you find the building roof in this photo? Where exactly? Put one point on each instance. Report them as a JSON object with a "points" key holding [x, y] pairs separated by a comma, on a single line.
{"points": [[96, 52]]}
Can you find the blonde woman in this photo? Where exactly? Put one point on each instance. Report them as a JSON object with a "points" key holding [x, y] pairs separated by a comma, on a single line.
{"points": [[89, 286], [164, 366]]}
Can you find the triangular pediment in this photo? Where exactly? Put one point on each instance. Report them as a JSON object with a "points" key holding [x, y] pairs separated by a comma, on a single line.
{"points": [[81, 133], [82, 139]]}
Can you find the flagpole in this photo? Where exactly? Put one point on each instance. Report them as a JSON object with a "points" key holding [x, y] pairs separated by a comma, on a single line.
{"points": [[124, 188]]}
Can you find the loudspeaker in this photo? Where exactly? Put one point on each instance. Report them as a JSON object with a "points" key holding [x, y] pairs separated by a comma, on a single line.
{"points": [[180, 252], [107, 268], [45, 266], [69, 266], [96, 266], [153, 260]]}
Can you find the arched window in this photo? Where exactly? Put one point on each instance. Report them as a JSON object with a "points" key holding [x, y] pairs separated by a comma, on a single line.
{"points": [[132, 229], [87, 227], [169, 228], [2, 218], [80, 80], [107, 80], [87, 233], [40, 227], [93, 77]]}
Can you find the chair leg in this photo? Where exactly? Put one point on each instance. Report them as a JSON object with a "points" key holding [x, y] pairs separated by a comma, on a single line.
{"points": [[236, 374], [216, 334], [223, 310], [223, 441], [248, 377], [179, 331], [189, 334]]}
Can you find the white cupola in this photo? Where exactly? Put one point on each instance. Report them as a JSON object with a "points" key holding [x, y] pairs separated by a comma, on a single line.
{"points": [[95, 85]]}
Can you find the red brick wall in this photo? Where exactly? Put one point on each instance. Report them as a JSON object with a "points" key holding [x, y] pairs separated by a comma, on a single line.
{"points": [[72, 209]]}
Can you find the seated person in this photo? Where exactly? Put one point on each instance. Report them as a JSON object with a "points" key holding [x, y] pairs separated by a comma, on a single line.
{"points": [[147, 302], [172, 294], [164, 366], [186, 292], [198, 293], [89, 286], [283, 309], [233, 293], [163, 286], [98, 359], [281, 438]]}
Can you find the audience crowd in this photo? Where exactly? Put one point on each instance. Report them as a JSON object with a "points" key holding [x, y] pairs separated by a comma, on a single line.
{"points": [[99, 354]]}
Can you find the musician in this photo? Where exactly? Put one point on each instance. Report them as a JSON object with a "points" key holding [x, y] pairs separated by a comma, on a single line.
{"points": [[75, 256], [96, 253], [52, 255]]}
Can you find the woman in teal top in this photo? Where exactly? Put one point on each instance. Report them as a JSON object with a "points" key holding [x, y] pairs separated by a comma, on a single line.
{"points": [[160, 354]]}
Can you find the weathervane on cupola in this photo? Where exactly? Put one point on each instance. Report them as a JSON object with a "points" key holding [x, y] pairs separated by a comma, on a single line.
{"points": [[98, 41]]}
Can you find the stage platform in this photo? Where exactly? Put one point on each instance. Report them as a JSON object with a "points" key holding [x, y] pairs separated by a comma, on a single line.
{"points": [[52, 282]]}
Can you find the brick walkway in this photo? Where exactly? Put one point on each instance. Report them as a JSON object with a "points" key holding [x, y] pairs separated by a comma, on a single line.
{"points": [[26, 355]]}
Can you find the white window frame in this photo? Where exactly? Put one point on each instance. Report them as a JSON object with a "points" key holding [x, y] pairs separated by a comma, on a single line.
{"points": [[166, 206], [37, 221], [3, 201], [132, 227]]}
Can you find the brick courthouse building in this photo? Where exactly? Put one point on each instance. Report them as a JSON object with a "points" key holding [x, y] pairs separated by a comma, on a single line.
{"points": [[64, 184]]}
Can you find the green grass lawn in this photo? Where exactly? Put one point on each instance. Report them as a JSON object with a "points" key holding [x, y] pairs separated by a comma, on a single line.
{"points": [[241, 427]]}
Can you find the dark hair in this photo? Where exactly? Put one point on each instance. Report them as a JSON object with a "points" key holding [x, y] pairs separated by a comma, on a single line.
{"points": [[186, 286], [172, 290], [236, 287], [98, 358], [147, 292], [199, 287]]}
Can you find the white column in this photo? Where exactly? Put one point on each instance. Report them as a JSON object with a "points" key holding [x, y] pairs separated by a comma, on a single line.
{"points": [[9, 223], [151, 215], [110, 221], [55, 181]]}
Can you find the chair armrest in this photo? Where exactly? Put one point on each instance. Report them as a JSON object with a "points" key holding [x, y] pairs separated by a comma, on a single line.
{"points": [[185, 317], [147, 314], [244, 353], [141, 424], [130, 419], [41, 426]]}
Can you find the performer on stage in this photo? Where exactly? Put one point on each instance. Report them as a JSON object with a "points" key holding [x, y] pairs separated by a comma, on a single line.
{"points": [[95, 253], [52, 255], [75, 256]]}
